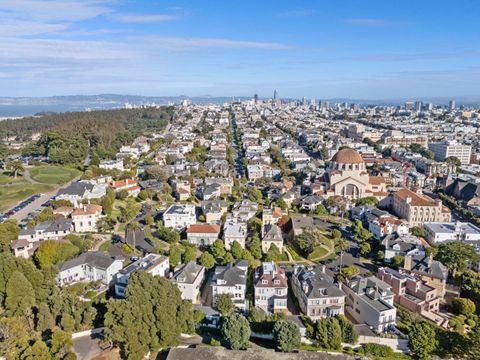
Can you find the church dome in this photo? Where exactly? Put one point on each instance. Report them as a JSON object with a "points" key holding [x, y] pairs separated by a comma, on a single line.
{"points": [[347, 156]]}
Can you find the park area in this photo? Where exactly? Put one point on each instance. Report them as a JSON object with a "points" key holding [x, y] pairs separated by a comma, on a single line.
{"points": [[34, 180], [55, 175]]}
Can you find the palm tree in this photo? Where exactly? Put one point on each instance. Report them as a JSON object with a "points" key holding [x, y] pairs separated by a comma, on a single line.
{"points": [[342, 245], [133, 227], [15, 166]]}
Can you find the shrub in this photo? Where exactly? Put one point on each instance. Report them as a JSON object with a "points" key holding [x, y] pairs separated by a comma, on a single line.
{"points": [[377, 350], [215, 342]]}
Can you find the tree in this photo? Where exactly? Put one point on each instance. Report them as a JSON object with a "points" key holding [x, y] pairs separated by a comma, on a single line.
{"points": [[455, 255], [336, 234], [256, 247], [472, 345], [453, 160], [273, 254], [207, 260], [20, 296], [67, 323], [422, 340], [307, 240], [365, 248], [44, 318], [152, 316], [169, 235], [61, 343], [418, 231], [329, 333], [360, 233], [52, 252], [349, 271], [286, 335], [236, 250], [190, 254], [368, 200], [463, 306], [349, 333], [38, 351], [9, 231], [396, 261], [15, 166], [225, 304], [320, 210], [218, 248], [175, 255], [471, 285], [149, 220], [133, 227], [236, 331], [228, 258], [13, 337]]}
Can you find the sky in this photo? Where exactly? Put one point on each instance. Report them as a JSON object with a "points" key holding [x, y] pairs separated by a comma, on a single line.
{"points": [[360, 49]]}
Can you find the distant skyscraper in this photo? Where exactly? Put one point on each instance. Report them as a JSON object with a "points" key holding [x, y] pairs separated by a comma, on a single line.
{"points": [[313, 102], [324, 104], [255, 98], [409, 105], [418, 105], [451, 105], [275, 94]]}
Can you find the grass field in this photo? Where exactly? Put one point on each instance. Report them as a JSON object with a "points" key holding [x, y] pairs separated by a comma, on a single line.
{"points": [[13, 194], [6, 178], [55, 175]]}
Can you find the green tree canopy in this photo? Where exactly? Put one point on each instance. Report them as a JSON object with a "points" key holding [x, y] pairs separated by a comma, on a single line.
{"points": [[455, 255], [20, 296], [151, 316], [217, 249], [286, 335], [225, 304], [329, 333], [207, 260], [51, 252], [422, 340], [236, 331]]}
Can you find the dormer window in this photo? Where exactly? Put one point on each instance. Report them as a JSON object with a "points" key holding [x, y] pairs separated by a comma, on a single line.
{"points": [[276, 282], [264, 282]]}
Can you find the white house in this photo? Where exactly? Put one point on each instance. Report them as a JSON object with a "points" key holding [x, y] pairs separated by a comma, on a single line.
{"points": [[436, 233], [85, 218], [112, 165], [89, 266], [231, 280], [188, 278], [270, 288], [370, 301], [82, 190], [203, 234], [153, 264], [233, 231], [179, 216]]}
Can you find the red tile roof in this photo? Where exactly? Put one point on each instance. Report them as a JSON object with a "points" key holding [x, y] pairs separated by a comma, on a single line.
{"points": [[204, 229]]}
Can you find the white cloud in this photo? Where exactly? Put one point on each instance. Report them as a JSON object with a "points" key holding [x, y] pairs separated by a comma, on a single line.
{"points": [[142, 18], [371, 22], [192, 43], [61, 10], [22, 28]]}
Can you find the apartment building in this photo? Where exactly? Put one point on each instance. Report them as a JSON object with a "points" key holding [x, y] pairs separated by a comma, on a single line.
{"points": [[231, 280], [418, 209], [179, 216], [446, 149], [270, 288], [370, 301], [316, 292]]}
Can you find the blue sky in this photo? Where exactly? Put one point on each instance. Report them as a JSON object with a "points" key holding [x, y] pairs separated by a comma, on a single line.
{"points": [[359, 49]]}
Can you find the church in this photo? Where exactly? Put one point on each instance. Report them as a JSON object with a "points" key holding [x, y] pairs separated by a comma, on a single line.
{"points": [[347, 176]]}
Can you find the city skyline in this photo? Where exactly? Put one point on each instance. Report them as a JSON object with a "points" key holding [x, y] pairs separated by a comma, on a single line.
{"points": [[373, 50]]}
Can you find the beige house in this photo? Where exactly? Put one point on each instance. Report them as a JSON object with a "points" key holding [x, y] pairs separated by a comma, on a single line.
{"points": [[418, 209], [347, 176]]}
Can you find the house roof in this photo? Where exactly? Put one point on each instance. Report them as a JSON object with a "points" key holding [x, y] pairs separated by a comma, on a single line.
{"points": [[232, 274], [269, 274], [95, 259], [89, 209], [376, 180], [187, 273], [318, 283], [203, 229], [416, 199]]}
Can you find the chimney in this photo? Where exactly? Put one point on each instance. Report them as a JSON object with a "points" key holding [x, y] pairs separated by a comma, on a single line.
{"points": [[323, 269], [430, 260], [407, 262]]}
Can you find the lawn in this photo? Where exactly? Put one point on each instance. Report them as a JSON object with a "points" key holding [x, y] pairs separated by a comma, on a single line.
{"points": [[13, 194], [318, 253], [55, 175], [7, 178]]}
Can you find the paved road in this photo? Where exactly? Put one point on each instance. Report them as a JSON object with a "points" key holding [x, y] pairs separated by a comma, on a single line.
{"points": [[87, 347], [37, 204]]}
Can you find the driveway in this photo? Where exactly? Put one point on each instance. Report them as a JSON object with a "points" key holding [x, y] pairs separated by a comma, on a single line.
{"points": [[87, 347]]}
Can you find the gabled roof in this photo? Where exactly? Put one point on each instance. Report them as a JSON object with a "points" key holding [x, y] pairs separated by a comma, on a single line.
{"points": [[232, 274], [94, 259], [187, 273]]}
